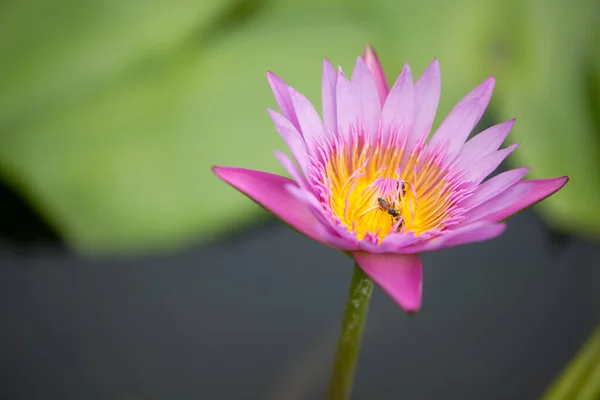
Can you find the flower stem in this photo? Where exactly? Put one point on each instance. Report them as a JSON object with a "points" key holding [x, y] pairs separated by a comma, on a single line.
{"points": [[357, 306]]}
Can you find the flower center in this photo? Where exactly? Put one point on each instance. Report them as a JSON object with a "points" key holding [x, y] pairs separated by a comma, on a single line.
{"points": [[372, 191]]}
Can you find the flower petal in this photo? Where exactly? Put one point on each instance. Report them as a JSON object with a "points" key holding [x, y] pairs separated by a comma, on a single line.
{"points": [[399, 275], [459, 123], [364, 85], [269, 191], [481, 168], [348, 104], [392, 243], [281, 91], [471, 233], [483, 144], [427, 98], [292, 138], [511, 195], [328, 90], [539, 189], [310, 123], [493, 187], [374, 66], [291, 169], [334, 234], [398, 110]]}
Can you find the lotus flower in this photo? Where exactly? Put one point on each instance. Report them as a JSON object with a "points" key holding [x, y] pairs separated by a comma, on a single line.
{"points": [[369, 183]]}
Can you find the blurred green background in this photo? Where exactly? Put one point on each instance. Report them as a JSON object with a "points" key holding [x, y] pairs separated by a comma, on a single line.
{"points": [[112, 112]]}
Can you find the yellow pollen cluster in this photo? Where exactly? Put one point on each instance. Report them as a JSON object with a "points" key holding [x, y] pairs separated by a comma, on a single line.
{"points": [[370, 192]]}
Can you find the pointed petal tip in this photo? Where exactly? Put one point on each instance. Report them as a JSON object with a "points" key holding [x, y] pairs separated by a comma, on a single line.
{"points": [[369, 51], [216, 169], [490, 81], [563, 180]]}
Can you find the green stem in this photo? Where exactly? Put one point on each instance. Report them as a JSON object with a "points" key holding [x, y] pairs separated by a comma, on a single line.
{"points": [[357, 306]]}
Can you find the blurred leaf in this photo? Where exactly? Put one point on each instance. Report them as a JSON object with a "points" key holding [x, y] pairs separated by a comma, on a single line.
{"points": [[542, 76], [128, 166], [416, 32], [581, 379], [54, 51]]}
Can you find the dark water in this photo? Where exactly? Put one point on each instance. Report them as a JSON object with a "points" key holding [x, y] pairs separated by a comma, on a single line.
{"points": [[256, 317]]}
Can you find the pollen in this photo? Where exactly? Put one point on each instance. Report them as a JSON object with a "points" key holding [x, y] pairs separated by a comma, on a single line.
{"points": [[374, 190]]}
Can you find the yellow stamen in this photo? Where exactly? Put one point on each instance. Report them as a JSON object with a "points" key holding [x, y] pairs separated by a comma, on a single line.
{"points": [[361, 175]]}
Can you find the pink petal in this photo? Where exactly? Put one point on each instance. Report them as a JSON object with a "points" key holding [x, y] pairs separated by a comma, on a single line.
{"points": [[328, 90], [481, 168], [334, 234], [269, 191], [427, 98], [392, 243], [281, 91], [471, 233], [348, 104], [483, 144], [399, 275], [364, 85], [459, 123], [493, 187], [374, 66], [510, 196], [539, 189], [308, 118], [398, 110], [292, 138], [291, 169]]}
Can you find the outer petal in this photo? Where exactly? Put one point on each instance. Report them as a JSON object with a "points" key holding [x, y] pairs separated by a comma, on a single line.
{"points": [[291, 169], [269, 191], [481, 168], [539, 190], [493, 187], [392, 243], [459, 123], [427, 98], [483, 144], [348, 104], [364, 85], [334, 234], [328, 96], [281, 91], [292, 138], [510, 196], [398, 110], [400, 275], [374, 66], [311, 125], [476, 232]]}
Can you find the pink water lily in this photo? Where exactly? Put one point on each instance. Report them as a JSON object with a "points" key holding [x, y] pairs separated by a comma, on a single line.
{"points": [[369, 183]]}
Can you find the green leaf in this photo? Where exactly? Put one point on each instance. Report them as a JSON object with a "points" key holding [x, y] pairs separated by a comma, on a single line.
{"points": [[128, 167], [55, 52], [542, 76], [581, 378]]}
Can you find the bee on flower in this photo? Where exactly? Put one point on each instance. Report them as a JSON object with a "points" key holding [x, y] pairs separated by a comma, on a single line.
{"points": [[371, 180]]}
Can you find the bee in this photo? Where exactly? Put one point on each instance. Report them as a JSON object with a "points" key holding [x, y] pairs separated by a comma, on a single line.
{"points": [[386, 206]]}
